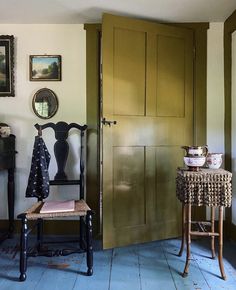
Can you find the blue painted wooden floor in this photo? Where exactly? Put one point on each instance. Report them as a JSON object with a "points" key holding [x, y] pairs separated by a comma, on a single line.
{"points": [[150, 266]]}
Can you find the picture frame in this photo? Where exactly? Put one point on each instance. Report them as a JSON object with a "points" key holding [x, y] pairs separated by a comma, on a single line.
{"points": [[45, 67], [45, 103], [7, 66]]}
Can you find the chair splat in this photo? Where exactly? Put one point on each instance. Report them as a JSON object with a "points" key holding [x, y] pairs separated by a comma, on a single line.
{"points": [[61, 147]]}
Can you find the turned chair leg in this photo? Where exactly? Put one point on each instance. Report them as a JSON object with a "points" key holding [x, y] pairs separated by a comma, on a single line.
{"points": [[23, 249], [82, 233], [89, 249], [39, 234]]}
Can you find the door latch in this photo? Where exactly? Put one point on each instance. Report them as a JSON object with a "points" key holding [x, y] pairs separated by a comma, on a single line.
{"points": [[109, 123]]}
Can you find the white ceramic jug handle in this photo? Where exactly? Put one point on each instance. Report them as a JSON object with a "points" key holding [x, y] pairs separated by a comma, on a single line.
{"points": [[206, 149]]}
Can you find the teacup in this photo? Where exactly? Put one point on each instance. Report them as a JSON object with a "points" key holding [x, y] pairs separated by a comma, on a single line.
{"points": [[214, 160]]}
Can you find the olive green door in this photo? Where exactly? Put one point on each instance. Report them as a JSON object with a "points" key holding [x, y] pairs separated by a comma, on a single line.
{"points": [[148, 91]]}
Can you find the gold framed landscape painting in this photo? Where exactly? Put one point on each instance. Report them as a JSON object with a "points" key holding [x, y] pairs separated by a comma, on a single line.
{"points": [[7, 66], [45, 67]]}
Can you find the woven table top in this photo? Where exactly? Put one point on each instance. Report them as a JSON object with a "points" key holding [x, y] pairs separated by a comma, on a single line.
{"points": [[209, 187]]}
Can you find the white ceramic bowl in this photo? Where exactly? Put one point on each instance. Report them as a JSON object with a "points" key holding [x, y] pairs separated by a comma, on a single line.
{"points": [[214, 160], [5, 131], [195, 161]]}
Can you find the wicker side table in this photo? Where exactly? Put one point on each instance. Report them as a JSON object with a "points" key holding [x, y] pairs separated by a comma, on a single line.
{"points": [[206, 187]]}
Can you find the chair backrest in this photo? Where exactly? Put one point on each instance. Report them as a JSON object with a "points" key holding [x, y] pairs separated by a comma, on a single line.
{"points": [[61, 151]]}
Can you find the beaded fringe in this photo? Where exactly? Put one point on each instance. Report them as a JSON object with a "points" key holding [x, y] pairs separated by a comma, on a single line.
{"points": [[206, 187]]}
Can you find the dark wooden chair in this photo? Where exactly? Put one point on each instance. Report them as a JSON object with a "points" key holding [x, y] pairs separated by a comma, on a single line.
{"points": [[81, 210]]}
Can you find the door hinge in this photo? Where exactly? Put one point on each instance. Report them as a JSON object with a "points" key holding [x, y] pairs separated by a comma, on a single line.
{"points": [[100, 68], [194, 52]]}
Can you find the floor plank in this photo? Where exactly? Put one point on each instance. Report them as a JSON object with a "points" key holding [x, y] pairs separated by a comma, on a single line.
{"points": [[210, 267], [125, 269], [8, 263], [154, 269], [195, 278], [100, 278], [61, 273], [148, 266], [35, 273]]}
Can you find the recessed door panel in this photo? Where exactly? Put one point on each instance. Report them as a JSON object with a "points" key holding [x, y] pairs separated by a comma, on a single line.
{"points": [[129, 72], [170, 74], [167, 159], [129, 188]]}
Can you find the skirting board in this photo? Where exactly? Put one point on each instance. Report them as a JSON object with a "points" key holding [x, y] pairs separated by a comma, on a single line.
{"points": [[51, 227], [232, 232]]}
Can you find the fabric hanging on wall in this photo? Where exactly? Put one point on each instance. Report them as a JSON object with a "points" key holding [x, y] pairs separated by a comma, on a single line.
{"points": [[38, 182]]}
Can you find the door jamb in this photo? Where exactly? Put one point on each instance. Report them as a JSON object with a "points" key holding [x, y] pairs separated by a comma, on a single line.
{"points": [[229, 28]]}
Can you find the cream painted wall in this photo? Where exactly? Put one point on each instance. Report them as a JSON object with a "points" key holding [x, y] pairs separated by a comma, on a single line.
{"points": [[234, 125], [215, 89], [68, 41]]}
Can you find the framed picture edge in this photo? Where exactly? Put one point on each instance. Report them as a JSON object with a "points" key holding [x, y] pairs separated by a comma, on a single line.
{"points": [[48, 92], [32, 56], [10, 64]]}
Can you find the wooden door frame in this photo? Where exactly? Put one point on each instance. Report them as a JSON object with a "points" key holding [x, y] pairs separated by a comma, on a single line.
{"points": [[229, 28], [93, 32]]}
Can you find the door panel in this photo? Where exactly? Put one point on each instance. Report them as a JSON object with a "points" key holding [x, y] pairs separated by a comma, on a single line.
{"points": [[129, 83], [148, 90], [170, 73], [129, 193], [161, 163], [167, 159]]}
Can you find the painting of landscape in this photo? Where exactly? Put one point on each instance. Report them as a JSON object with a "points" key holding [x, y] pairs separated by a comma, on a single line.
{"points": [[45, 67], [7, 66], [2, 66]]}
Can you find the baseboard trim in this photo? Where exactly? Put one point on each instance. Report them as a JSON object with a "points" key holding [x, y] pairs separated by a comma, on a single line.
{"points": [[51, 227], [232, 232]]}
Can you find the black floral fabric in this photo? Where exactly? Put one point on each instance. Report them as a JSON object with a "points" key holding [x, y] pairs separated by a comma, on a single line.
{"points": [[38, 182]]}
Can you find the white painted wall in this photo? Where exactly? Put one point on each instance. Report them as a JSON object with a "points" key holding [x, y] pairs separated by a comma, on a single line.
{"points": [[68, 41], [234, 125], [215, 89]]}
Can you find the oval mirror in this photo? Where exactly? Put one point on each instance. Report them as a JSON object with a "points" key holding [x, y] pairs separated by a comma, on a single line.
{"points": [[45, 103]]}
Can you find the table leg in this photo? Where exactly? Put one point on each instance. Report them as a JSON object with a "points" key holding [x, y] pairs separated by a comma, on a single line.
{"points": [[188, 239], [213, 253], [183, 230], [220, 255], [11, 197]]}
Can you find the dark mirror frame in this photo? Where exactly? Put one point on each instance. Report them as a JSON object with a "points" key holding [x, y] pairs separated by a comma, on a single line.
{"points": [[7, 66], [45, 93]]}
